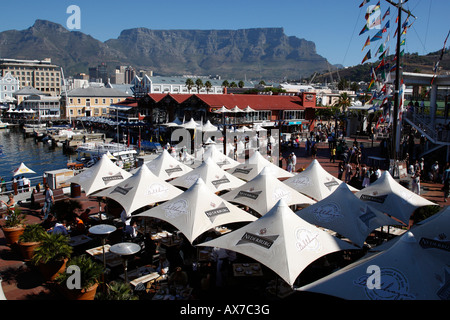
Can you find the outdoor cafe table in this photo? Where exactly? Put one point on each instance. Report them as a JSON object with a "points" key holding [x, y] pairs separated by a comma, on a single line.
{"points": [[247, 270], [142, 275], [112, 260], [79, 240]]}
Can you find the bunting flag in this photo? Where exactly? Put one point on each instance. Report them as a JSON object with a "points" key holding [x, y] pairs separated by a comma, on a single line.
{"points": [[381, 64], [377, 36], [371, 83], [384, 54], [386, 26], [388, 38], [365, 29], [363, 3], [388, 12], [367, 43], [367, 57], [380, 49], [402, 43], [394, 67]]}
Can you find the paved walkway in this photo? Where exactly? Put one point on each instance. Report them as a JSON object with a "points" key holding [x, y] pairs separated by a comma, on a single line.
{"points": [[22, 281]]}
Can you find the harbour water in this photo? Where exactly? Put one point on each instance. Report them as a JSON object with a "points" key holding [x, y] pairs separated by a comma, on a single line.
{"points": [[37, 156]]}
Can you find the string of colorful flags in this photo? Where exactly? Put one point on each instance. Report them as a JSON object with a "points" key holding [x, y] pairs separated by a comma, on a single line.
{"points": [[380, 86]]}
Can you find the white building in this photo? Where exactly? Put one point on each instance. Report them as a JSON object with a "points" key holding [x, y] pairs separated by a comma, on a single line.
{"points": [[44, 107], [155, 84], [8, 85]]}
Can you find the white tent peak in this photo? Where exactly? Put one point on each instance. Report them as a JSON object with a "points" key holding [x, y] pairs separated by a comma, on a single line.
{"points": [[282, 241], [315, 182]]}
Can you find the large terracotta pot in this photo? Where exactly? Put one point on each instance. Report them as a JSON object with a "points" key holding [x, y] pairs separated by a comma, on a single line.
{"points": [[12, 234], [52, 269], [83, 294], [27, 249]]}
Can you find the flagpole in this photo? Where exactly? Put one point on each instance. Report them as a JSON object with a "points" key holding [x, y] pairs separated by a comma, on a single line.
{"points": [[399, 6]]}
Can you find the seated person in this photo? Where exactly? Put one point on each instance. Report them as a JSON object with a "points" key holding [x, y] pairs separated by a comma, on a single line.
{"points": [[179, 278], [130, 230], [60, 227], [85, 215], [10, 205], [78, 226], [163, 265]]}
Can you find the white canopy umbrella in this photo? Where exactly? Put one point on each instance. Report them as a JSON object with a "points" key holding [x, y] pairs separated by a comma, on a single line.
{"points": [[175, 123], [219, 158], [22, 169], [222, 110], [190, 125], [390, 197], [214, 177], [167, 167], [264, 191], [140, 190], [251, 168], [315, 182], [406, 271], [432, 232], [248, 109], [235, 110], [282, 241], [209, 127], [346, 214], [197, 210], [101, 175]]}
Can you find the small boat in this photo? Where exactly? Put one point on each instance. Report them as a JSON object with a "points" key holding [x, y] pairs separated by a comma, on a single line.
{"points": [[3, 125]]}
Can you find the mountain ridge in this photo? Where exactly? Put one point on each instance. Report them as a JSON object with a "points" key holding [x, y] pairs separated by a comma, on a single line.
{"points": [[253, 53]]}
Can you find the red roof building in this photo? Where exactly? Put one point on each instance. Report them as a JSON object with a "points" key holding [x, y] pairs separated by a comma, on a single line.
{"points": [[291, 109]]}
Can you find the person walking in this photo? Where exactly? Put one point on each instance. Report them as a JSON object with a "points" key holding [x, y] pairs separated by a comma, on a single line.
{"points": [[333, 154], [49, 200], [340, 170], [416, 182]]}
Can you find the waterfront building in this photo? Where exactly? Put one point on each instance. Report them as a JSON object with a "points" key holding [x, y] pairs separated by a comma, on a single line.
{"points": [[25, 92], [41, 75], [8, 85], [91, 101], [177, 85], [295, 112], [44, 107]]}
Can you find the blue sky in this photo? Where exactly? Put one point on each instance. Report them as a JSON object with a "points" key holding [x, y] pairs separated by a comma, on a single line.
{"points": [[333, 25]]}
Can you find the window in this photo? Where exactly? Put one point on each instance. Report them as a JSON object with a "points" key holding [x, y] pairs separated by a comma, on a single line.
{"points": [[71, 112]]}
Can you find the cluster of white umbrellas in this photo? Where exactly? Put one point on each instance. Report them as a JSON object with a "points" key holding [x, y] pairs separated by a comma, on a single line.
{"points": [[277, 234]]}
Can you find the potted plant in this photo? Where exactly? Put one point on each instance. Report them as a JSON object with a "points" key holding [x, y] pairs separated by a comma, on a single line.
{"points": [[30, 239], [89, 273], [117, 291], [52, 255], [14, 226]]}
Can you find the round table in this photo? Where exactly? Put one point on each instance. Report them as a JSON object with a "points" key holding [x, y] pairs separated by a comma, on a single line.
{"points": [[124, 250], [103, 230]]}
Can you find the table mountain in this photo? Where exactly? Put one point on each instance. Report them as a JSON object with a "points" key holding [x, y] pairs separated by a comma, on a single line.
{"points": [[252, 53]]}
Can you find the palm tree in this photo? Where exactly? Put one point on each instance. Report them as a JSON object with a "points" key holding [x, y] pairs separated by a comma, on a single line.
{"points": [[208, 86], [189, 84], [225, 84], [241, 84], [343, 102], [199, 85]]}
